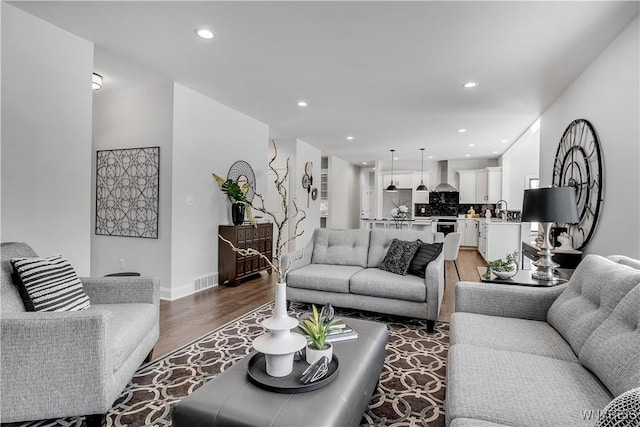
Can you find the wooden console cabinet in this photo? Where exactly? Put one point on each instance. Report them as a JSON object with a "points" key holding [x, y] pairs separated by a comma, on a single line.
{"points": [[233, 266]]}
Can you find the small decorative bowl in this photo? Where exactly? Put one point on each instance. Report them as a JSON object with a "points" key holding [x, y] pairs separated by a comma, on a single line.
{"points": [[506, 274]]}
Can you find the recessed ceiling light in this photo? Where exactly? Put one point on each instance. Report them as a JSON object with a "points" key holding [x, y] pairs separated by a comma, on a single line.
{"points": [[204, 33], [494, 152], [302, 103], [469, 85], [504, 141], [430, 157], [350, 138], [364, 163], [467, 155], [472, 145], [395, 158], [462, 130]]}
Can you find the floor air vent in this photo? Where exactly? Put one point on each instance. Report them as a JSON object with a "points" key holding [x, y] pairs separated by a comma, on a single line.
{"points": [[204, 282]]}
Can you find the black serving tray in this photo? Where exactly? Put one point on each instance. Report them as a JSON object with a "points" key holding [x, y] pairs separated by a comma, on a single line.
{"points": [[290, 384]]}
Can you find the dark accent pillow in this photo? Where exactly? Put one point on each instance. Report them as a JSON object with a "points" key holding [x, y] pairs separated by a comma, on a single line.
{"points": [[426, 253], [28, 304], [50, 283], [399, 255]]}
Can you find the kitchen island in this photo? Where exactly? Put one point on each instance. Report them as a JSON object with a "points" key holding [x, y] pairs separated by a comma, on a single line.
{"points": [[421, 223]]}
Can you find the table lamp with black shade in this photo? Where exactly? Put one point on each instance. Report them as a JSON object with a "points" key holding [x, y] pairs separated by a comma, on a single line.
{"points": [[548, 206]]}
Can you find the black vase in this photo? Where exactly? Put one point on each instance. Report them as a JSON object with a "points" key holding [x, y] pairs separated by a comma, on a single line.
{"points": [[237, 213]]}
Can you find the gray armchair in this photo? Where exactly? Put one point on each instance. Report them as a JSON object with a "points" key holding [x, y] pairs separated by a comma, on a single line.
{"points": [[73, 363]]}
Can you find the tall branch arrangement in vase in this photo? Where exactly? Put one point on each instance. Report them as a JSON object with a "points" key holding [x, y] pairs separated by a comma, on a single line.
{"points": [[279, 344]]}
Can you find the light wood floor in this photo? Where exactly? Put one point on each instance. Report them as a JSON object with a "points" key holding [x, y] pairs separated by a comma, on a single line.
{"points": [[188, 318]]}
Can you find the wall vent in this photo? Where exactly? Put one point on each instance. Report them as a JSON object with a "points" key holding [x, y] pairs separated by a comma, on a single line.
{"points": [[204, 282]]}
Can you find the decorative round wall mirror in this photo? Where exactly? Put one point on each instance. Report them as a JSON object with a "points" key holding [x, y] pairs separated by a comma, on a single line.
{"points": [[578, 164], [242, 173]]}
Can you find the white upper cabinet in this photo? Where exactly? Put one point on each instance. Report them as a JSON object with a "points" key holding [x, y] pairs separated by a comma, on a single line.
{"points": [[481, 185], [467, 186]]}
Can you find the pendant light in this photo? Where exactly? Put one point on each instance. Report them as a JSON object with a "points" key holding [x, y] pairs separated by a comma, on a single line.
{"points": [[422, 187], [392, 188]]}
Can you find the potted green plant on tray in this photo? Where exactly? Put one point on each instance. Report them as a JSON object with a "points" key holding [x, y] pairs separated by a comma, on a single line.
{"points": [[317, 327], [503, 268]]}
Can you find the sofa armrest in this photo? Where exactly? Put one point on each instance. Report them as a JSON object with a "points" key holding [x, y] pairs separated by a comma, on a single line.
{"points": [[120, 290], [434, 281], [494, 299], [53, 359], [299, 258]]}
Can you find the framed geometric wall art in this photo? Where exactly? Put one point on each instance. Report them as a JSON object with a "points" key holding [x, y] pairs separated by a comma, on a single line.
{"points": [[127, 192]]}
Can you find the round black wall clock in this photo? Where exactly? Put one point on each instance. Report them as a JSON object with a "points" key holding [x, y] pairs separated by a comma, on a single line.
{"points": [[578, 164]]}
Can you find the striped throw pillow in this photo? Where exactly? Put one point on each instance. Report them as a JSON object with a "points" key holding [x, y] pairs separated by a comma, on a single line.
{"points": [[51, 284]]}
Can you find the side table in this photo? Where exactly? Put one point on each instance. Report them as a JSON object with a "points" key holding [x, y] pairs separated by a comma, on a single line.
{"points": [[523, 278]]}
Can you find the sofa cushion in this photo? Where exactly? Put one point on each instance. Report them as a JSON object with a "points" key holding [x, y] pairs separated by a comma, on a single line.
{"points": [[322, 277], [507, 333], [51, 284], [129, 325], [520, 389], [341, 247], [399, 256], [595, 288], [379, 283], [426, 253], [612, 351], [11, 300], [381, 240]]}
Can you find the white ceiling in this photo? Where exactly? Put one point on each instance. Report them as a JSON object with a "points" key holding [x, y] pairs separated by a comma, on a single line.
{"points": [[388, 73]]}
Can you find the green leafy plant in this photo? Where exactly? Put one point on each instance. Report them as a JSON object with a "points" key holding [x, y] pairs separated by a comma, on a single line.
{"points": [[503, 264], [237, 193], [317, 328]]}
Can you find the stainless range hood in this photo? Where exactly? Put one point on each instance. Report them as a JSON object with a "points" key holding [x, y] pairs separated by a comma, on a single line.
{"points": [[444, 185]]}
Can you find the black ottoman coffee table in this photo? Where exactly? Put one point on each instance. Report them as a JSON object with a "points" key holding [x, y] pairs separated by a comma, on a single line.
{"points": [[231, 400]]}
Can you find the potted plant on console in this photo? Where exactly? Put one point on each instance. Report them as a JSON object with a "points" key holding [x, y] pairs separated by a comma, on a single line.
{"points": [[238, 195], [317, 327]]}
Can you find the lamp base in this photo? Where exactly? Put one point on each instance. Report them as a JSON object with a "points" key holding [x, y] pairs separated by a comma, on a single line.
{"points": [[544, 264]]}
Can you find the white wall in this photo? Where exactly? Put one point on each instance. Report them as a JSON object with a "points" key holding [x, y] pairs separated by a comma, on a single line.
{"points": [[521, 160], [607, 94], [344, 194], [46, 137], [133, 109], [207, 137]]}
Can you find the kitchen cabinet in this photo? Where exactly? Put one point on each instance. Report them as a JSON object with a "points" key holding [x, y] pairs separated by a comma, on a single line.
{"points": [[400, 180], [467, 186], [469, 230], [498, 238], [481, 186]]}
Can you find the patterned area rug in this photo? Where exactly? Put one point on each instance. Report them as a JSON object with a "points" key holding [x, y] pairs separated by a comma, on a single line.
{"points": [[411, 390]]}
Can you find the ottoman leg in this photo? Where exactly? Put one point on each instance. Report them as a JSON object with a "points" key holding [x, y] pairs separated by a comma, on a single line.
{"points": [[431, 324]]}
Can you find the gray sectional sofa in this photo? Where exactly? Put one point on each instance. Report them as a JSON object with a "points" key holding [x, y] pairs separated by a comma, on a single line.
{"points": [[555, 356], [340, 267]]}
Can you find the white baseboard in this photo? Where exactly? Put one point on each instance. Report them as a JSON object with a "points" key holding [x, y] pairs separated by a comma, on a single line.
{"points": [[195, 286]]}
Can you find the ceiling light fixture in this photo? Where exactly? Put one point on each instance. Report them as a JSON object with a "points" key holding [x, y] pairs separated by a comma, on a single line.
{"points": [[430, 157], [462, 130], [302, 103], [494, 152], [469, 85], [467, 155], [364, 163], [350, 138], [422, 187], [504, 141], [472, 145], [392, 188], [204, 33], [96, 81]]}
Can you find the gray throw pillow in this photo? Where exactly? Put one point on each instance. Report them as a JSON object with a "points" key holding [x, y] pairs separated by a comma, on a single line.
{"points": [[399, 256]]}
